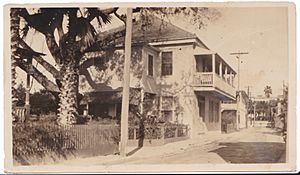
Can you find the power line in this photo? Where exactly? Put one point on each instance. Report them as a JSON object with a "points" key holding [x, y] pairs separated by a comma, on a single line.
{"points": [[248, 90]]}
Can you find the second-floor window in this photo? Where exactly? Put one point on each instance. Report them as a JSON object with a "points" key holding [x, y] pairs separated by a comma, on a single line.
{"points": [[150, 65], [166, 64]]}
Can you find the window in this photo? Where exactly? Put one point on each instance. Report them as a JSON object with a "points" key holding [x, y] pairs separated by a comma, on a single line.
{"points": [[167, 107], [167, 103], [167, 115], [166, 65], [150, 65]]}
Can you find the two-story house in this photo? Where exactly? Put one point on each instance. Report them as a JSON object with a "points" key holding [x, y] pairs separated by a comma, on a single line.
{"points": [[184, 78]]}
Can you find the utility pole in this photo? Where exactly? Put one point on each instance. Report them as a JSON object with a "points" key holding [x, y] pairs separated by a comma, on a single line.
{"points": [[248, 90], [126, 84], [238, 55]]}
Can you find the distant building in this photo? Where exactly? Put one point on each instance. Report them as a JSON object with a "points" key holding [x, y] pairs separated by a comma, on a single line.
{"points": [[236, 111]]}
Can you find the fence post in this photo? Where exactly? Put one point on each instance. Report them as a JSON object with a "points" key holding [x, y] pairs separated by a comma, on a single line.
{"points": [[176, 131]]}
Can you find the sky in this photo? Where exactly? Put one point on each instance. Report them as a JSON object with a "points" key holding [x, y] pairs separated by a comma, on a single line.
{"points": [[262, 32]]}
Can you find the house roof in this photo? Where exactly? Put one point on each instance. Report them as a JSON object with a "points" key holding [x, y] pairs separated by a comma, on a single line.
{"points": [[158, 30]]}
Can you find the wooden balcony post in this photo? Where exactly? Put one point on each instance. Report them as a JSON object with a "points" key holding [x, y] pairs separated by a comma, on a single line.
{"points": [[233, 76], [142, 101], [213, 67], [230, 78], [213, 63], [226, 75], [220, 69]]}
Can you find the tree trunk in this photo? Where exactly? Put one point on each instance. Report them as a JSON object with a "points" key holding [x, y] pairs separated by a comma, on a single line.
{"points": [[14, 31], [68, 98]]}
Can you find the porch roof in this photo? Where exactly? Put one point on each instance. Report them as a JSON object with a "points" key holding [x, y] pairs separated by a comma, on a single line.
{"points": [[202, 51], [214, 92], [111, 97]]}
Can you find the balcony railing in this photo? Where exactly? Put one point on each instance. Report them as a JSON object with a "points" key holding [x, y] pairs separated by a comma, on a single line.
{"points": [[209, 79], [203, 79]]}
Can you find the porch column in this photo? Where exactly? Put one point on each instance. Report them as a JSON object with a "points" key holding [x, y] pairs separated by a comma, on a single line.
{"points": [[160, 105], [220, 116], [27, 92], [142, 101], [213, 68], [226, 75], [233, 76], [206, 107], [213, 63], [230, 78], [86, 110], [220, 69], [115, 110]]}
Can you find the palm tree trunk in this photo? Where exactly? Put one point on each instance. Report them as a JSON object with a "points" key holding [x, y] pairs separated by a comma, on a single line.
{"points": [[68, 97], [14, 31]]}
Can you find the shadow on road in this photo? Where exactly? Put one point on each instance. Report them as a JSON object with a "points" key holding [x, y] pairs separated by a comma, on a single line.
{"points": [[251, 152]]}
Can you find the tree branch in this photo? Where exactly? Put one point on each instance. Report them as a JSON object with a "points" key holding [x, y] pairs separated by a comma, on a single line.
{"points": [[88, 56], [105, 40], [37, 75], [53, 47], [41, 61]]}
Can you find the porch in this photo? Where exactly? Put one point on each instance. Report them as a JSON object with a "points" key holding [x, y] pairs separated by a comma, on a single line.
{"points": [[214, 75]]}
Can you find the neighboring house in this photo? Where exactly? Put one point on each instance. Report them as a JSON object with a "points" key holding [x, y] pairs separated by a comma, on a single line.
{"points": [[184, 80], [235, 112]]}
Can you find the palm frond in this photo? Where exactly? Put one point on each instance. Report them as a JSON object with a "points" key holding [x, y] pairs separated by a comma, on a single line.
{"points": [[24, 30], [101, 17], [46, 20], [85, 31]]}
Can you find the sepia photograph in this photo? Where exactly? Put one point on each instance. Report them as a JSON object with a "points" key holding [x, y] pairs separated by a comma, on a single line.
{"points": [[143, 87]]}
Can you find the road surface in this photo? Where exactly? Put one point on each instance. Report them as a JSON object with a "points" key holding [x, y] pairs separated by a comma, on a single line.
{"points": [[254, 145]]}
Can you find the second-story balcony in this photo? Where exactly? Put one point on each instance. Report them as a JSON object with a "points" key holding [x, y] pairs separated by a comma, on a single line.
{"points": [[214, 75]]}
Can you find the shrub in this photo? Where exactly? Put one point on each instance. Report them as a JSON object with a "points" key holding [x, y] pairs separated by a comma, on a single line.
{"points": [[38, 139], [43, 102]]}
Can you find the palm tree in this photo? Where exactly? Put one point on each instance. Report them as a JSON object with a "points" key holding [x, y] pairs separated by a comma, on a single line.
{"points": [[268, 91], [14, 31], [72, 47]]}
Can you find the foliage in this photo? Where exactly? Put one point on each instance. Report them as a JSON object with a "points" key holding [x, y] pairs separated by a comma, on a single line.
{"points": [[39, 139], [79, 39], [43, 102], [197, 16], [268, 91]]}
